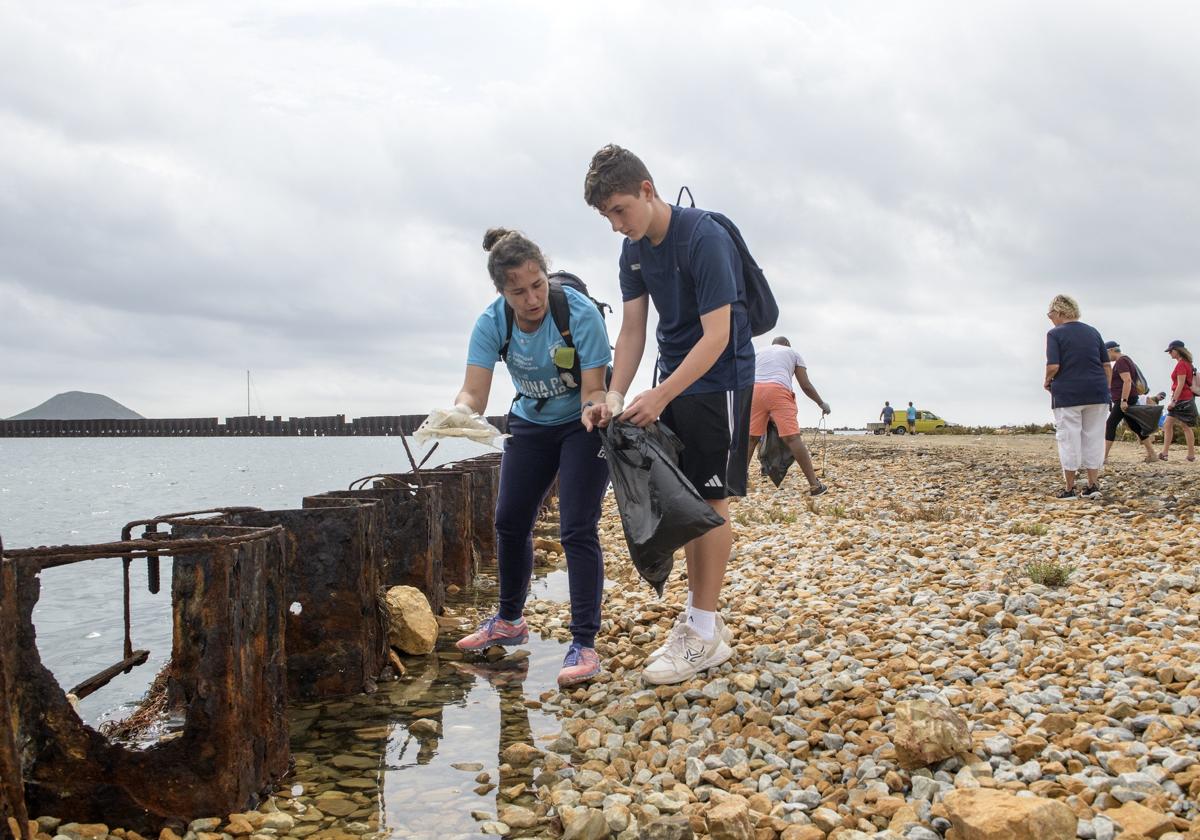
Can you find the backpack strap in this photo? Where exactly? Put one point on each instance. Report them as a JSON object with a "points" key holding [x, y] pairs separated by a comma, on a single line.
{"points": [[509, 317]]}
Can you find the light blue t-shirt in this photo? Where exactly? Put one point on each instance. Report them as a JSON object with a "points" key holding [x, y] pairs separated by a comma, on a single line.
{"points": [[912, 413], [529, 356]]}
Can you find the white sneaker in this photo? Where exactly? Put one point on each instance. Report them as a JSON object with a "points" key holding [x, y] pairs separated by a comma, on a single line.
{"points": [[721, 630], [686, 656]]}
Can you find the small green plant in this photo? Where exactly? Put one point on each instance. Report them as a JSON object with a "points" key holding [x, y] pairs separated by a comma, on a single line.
{"points": [[922, 513], [1049, 572], [781, 515], [1030, 529]]}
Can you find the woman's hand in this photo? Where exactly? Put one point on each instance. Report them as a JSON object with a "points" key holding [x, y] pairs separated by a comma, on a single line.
{"points": [[595, 416]]}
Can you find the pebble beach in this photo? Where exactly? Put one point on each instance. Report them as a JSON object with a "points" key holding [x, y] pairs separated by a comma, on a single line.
{"points": [[898, 673], [895, 665]]}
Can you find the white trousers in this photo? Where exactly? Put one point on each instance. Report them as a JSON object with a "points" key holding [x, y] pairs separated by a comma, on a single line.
{"points": [[1079, 430]]}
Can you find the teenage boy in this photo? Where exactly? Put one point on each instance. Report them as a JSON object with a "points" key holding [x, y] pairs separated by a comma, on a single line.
{"points": [[704, 376]]}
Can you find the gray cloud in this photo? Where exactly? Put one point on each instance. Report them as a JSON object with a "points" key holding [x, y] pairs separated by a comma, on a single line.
{"points": [[300, 189]]}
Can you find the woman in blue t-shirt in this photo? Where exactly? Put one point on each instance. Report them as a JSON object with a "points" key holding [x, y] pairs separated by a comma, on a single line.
{"points": [[1078, 377], [547, 439]]}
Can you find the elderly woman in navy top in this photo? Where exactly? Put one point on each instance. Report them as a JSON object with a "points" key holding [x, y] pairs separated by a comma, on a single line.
{"points": [[1078, 376], [548, 439]]}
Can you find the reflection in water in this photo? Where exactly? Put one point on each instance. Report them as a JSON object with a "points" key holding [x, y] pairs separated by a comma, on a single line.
{"points": [[416, 758]]}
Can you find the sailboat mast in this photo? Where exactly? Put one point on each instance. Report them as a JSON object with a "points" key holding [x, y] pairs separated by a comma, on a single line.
{"points": [[247, 393]]}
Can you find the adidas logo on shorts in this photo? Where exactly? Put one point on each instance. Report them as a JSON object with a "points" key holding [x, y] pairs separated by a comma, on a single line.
{"points": [[715, 481]]}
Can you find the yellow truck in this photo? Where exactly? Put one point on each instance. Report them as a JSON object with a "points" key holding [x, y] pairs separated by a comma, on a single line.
{"points": [[927, 421]]}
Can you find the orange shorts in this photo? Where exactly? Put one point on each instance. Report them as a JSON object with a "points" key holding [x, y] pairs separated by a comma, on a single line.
{"points": [[773, 401]]}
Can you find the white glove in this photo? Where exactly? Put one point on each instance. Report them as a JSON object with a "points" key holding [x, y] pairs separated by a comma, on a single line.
{"points": [[825, 409], [615, 401]]}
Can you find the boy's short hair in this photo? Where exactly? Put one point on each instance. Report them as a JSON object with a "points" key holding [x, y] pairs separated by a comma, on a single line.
{"points": [[614, 170]]}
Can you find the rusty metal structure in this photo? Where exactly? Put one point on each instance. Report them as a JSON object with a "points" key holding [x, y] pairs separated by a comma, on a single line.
{"points": [[225, 682], [267, 606]]}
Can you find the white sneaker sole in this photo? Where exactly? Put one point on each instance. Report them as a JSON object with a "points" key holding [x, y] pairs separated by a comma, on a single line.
{"points": [[657, 653], [719, 657]]}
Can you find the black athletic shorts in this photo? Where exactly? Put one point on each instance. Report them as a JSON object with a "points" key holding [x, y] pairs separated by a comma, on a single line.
{"points": [[715, 430]]}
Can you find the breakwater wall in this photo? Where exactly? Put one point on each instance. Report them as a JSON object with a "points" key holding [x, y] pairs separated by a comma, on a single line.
{"points": [[334, 425]]}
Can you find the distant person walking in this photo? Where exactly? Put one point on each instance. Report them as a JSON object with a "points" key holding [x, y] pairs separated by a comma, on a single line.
{"points": [[886, 416], [1181, 403], [911, 418], [1078, 377], [1123, 394], [775, 400]]}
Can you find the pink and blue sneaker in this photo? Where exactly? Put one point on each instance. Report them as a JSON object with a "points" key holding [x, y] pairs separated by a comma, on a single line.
{"points": [[579, 665], [495, 631]]}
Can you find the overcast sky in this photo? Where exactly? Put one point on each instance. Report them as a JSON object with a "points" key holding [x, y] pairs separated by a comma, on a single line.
{"points": [[191, 190]]}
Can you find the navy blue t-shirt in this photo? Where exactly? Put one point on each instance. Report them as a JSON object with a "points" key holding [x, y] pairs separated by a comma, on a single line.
{"points": [[1079, 352], [716, 281]]}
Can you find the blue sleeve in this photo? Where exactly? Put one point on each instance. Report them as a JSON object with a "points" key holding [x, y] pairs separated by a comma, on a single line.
{"points": [[632, 284], [1053, 356], [484, 350], [588, 332], [1102, 349], [715, 266]]}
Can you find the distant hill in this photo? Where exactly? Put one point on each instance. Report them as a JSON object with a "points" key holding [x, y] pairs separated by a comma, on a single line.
{"points": [[79, 405]]}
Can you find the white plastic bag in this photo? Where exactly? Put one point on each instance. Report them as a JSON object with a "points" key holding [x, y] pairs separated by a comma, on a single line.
{"points": [[452, 422]]}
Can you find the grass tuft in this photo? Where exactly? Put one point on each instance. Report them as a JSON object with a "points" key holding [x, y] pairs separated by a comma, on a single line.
{"points": [[1031, 529], [1049, 572]]}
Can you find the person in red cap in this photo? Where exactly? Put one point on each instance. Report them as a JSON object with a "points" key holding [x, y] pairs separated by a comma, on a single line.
{"points": [[1181, 403]]}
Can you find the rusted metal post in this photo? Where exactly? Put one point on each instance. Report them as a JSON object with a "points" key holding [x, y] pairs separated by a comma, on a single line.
{"points": [[411, 535], [485, 490], [226, 681], [459, 553], [13, 812], [336, 629]]}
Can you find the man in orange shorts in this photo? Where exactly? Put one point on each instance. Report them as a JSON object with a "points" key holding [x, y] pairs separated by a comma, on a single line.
{"points": [[775, 400]]}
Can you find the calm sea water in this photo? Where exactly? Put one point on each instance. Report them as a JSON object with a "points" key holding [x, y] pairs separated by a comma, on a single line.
{"points": [[83, 490]]}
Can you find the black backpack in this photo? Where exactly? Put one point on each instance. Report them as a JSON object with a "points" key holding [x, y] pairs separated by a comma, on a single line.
{"points": [[560, 311], [761, 307]]}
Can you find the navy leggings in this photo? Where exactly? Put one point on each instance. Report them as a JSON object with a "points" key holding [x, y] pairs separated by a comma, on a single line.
{"points": [[532, 457]]}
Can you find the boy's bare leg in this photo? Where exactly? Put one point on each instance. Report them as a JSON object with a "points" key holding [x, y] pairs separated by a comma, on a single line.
{"points": [[707, 557]]}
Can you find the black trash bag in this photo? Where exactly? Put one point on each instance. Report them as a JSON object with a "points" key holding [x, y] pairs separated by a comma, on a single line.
{"points": [[1142, 420], [660, 509], [774, 455]]}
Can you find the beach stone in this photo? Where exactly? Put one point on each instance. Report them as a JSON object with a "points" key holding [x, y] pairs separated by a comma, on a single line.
{"points": [[279, 822], [1135, 818], [730, 820], [675, 827], [926, 732], [983, 814], [85, 831], [425, 727], [412, 627], [520, 754], [336, 807], [586, 824], [802, 832], [517, 816]]}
